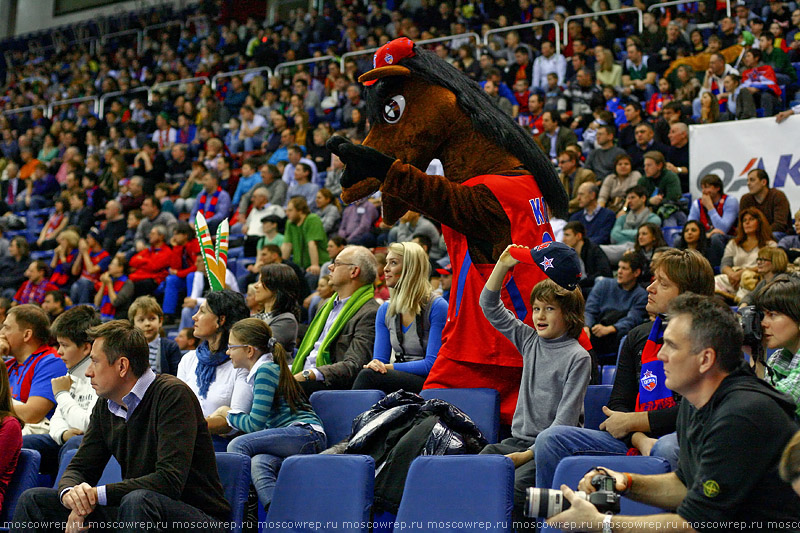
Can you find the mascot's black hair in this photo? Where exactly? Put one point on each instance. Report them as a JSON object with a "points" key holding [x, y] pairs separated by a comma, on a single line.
{"points": [[486, 118]]}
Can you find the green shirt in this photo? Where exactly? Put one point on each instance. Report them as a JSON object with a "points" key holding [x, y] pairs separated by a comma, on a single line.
{"points": [[779, 61], [668, 185], [277, 241], [299, 236], [783, 372]]}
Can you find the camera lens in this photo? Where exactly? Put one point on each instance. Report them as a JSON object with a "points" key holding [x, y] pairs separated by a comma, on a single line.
{"points": [[544, 503]]}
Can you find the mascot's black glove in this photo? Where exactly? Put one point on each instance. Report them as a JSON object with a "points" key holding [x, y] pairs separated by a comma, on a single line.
{"points": [[361, 161]]}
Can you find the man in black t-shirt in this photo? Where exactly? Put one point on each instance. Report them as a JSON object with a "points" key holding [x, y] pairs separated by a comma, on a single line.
{"points": [[732, 428]]}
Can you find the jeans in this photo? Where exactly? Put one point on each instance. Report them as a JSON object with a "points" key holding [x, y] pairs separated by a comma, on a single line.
{"points": [[39, 509], [174, 285], [186, 317], [50, 450], [82, 291], [557, 442], [268, 448]]}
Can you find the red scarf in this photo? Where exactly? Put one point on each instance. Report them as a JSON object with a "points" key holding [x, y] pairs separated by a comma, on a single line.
{"points": [[107, 309], [704, 220], [54, 222], [212, 208]]}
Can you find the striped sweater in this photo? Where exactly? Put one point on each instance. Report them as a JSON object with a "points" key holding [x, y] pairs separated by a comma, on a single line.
{"points": [[265, 414]]}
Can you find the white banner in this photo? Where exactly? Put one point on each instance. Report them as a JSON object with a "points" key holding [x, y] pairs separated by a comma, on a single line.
{"points": [[732, 149]]}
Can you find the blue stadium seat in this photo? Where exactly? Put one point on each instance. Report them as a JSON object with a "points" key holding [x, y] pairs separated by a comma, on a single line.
{"points": [[234, 473], [445, 488], [25, 477], [338, 408], [671, 234], [233, 469], [344, 485], [607, 375], [481, 405], [572, 469], [621, 343], [111, 474], [596, 397]]}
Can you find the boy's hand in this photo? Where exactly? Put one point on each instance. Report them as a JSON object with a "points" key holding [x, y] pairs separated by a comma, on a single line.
{"points": [[62, 383], [506, 259]]}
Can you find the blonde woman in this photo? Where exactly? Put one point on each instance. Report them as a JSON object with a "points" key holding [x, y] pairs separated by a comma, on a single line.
{"points": [[409, 324], [608, 71]]}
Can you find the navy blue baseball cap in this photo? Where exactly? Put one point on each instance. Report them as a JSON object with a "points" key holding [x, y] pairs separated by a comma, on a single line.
{"points": [[558, 261]]}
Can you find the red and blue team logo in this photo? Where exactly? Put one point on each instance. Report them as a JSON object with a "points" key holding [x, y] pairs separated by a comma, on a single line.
{"points": [[542, 246], [649, 381]]}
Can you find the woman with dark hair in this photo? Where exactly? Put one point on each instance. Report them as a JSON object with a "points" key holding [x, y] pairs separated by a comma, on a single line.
{"points": [[650, 237], [10, 435], [467, 63], [779, 301], [328, 209], [648, 240], [208, 370], [277, 292], [615, 186], [709, 108], [741, 252], [14, 265], [281, 422], [693, 238]]}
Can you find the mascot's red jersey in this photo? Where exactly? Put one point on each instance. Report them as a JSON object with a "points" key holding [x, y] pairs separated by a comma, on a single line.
{"points": [[468, 337]]}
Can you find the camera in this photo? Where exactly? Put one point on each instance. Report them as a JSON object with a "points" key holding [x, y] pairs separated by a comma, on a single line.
{"points": [[750, 319], [544, 503]]}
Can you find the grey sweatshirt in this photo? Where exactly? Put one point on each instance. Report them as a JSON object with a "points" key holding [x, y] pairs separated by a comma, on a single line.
{"points": [[555, 373]]}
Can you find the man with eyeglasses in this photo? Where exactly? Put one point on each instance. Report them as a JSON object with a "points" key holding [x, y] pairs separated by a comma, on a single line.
{"points": [[340, 339]]}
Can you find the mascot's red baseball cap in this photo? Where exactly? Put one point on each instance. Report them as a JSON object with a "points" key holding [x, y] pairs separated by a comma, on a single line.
{"points": [[558, 261], [384, 62]]}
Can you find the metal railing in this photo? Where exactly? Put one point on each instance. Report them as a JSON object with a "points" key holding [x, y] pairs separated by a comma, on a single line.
{"points": [[148, 29], [458, 36], [102, 109], [62, 46], [23, 109], [523, 27], [288, 64], [599, 13], [679, 2], [139, 37], [52, 105], [237, 72], [153, 88]]}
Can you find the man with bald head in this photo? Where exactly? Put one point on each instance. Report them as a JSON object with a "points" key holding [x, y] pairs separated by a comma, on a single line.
{"points": [[678, 153], [597, 220], [116, 226]]}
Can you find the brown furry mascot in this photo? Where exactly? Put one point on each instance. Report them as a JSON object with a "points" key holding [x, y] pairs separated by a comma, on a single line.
{"points": [[498, 189]]}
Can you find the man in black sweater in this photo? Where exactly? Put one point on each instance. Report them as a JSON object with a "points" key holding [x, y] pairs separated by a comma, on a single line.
{"points": [[155, 428], [732, 428], [636, 418]]}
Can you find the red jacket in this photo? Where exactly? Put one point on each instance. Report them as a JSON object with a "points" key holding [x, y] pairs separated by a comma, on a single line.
{"points": [[184, 258], [151, 263]]}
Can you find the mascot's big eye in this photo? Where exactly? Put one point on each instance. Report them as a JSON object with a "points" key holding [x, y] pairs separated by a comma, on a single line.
{"points": [[393, 109]]}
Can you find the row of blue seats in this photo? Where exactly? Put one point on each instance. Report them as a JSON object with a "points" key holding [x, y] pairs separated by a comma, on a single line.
{"points": [[490, 500]]}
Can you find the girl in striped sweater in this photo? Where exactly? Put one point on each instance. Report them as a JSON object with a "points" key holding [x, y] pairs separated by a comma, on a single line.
{"points": [[281, 422]]}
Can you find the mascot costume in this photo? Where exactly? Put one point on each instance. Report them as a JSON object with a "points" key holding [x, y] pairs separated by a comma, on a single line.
{"points": [[499, 188]]}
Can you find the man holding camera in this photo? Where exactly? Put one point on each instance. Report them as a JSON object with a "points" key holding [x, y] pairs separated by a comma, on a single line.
{"points": [[641, 410], [717, 486]]}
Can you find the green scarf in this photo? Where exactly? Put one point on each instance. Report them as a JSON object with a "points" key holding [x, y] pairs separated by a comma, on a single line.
{"points": [[358, 298]]}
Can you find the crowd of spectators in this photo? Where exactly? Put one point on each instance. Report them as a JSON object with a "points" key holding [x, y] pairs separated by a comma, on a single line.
{"points": [[99, 210]]}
